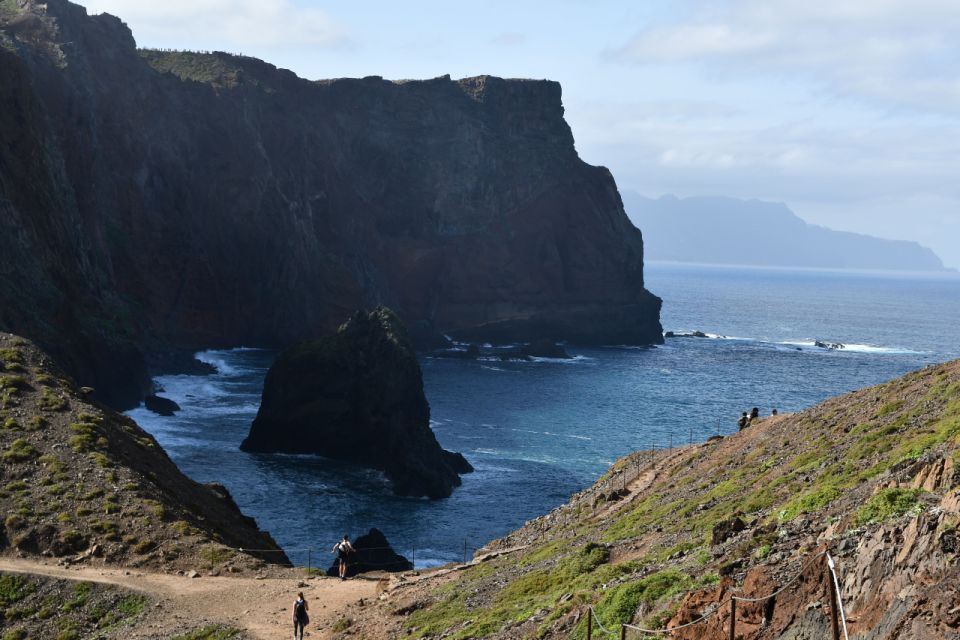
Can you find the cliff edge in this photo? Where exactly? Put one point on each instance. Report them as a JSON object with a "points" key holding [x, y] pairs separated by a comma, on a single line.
{"points": [[152, 199]]}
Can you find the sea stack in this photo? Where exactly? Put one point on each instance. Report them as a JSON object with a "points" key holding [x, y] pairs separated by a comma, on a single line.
{"points": [[357, 396]]}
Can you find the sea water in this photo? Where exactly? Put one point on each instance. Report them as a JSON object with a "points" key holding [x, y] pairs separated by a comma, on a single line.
{"points": [[538, 431]]}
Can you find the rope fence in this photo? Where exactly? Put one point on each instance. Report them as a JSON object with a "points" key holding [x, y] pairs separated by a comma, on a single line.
{"points": [[838, 618]]}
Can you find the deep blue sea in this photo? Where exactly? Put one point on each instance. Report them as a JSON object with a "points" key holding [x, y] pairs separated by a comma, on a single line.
{"points": [[539, 431]]}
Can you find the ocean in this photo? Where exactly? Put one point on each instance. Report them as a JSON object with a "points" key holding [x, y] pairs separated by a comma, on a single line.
{"points": [[539, 431]]}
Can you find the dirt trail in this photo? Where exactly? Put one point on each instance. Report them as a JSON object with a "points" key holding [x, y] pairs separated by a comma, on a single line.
{"points": [[260, 606]]}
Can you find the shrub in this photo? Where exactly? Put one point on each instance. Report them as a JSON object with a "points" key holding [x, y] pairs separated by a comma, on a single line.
{"points": [[11, 425], [620, 603], [101, 460], [35, 423], [50, 401], [888, 503], [13, 589], [13, 382], [81, 444], [45, 379], [20, 451], [210, 632]]}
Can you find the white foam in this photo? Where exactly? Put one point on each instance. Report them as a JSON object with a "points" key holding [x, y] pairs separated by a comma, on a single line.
{"points": [[217, 360]]}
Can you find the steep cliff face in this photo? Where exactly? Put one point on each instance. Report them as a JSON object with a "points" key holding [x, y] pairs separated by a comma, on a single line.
{"points": [[204, 200]]}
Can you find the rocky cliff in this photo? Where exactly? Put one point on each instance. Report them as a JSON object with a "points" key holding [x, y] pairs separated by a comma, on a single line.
{"points": [[152, 200], [666, 538], [357, 396], [81, 483]]}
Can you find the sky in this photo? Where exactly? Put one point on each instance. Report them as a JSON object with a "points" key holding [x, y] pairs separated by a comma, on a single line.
{"points": [[847, 111]]}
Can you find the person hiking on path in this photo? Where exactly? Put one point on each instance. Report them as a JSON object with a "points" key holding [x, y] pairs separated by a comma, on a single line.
{"points": [[742, 422], [300, 617], [343, 548]]}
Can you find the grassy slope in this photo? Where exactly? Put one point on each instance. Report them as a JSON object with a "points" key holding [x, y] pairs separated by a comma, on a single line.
{"points": [[788, 478], [78, 478]]}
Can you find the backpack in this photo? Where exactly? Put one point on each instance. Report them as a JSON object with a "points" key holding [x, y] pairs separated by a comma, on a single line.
{"points": [[300, 611]]}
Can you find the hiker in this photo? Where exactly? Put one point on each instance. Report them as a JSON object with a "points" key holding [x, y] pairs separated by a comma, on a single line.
{"points": [[774, 412], [754, 415], [742, 422], [300, 617], [342, 548]]}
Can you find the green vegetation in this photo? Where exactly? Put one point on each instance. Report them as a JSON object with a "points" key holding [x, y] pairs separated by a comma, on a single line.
{"points": [[45, 380], [888, 503], [80, 594], [619, 604], [50, 401], [101, 460], [13, 382], [342, 625], [13, 589], [211, 632], [19, 451], [216, 554], [210, 68]]}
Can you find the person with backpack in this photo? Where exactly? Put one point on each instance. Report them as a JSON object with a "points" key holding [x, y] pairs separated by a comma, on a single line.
{"points": [[300, 616], [742, 422], [343, 548]]}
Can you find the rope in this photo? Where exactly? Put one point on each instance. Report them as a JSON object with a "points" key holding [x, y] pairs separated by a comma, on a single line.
{"points": [[717, 607], [596, 618], [784, 587], [686, 624], [843, 615]]}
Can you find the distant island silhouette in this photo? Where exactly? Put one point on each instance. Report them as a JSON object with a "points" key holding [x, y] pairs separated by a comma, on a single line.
{"points": [[722, 230]]}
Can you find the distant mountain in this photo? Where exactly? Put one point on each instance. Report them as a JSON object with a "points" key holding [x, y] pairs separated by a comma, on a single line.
{"points": [[752, 232]]}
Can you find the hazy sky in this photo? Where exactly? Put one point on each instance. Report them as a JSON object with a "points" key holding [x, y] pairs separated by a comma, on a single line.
{"points": [[848, 111]]}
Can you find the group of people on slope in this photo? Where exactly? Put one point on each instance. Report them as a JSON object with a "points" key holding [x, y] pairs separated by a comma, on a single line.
{"points": [[746, 419], [301, 617]]}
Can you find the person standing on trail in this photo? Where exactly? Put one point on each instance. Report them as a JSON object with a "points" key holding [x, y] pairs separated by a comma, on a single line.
{"points": [[300, 617], [343, 548]]}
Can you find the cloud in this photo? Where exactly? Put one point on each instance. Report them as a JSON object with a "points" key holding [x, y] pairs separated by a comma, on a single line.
{"points": [[236, 23], [890, 54]]}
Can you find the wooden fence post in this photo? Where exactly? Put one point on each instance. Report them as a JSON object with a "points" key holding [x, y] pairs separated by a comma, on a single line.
{"points": [[589, 623], [623, 632], [733, 618]]}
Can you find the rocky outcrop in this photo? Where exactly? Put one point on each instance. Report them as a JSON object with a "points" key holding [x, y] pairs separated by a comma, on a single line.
{"points": [[160, 405], [156, 200], [357, 396], [372, 552]]}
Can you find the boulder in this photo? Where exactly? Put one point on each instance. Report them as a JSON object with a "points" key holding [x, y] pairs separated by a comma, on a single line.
{"points": [[357, 396], [829, 345], [161, 405], [725, 529], [373, 553]]}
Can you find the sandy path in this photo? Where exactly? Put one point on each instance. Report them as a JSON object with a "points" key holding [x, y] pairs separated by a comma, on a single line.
{"points": [[260, 606]]}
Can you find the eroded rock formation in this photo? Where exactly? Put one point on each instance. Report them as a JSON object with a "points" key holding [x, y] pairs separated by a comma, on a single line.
{"points": [[357, 396]]}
